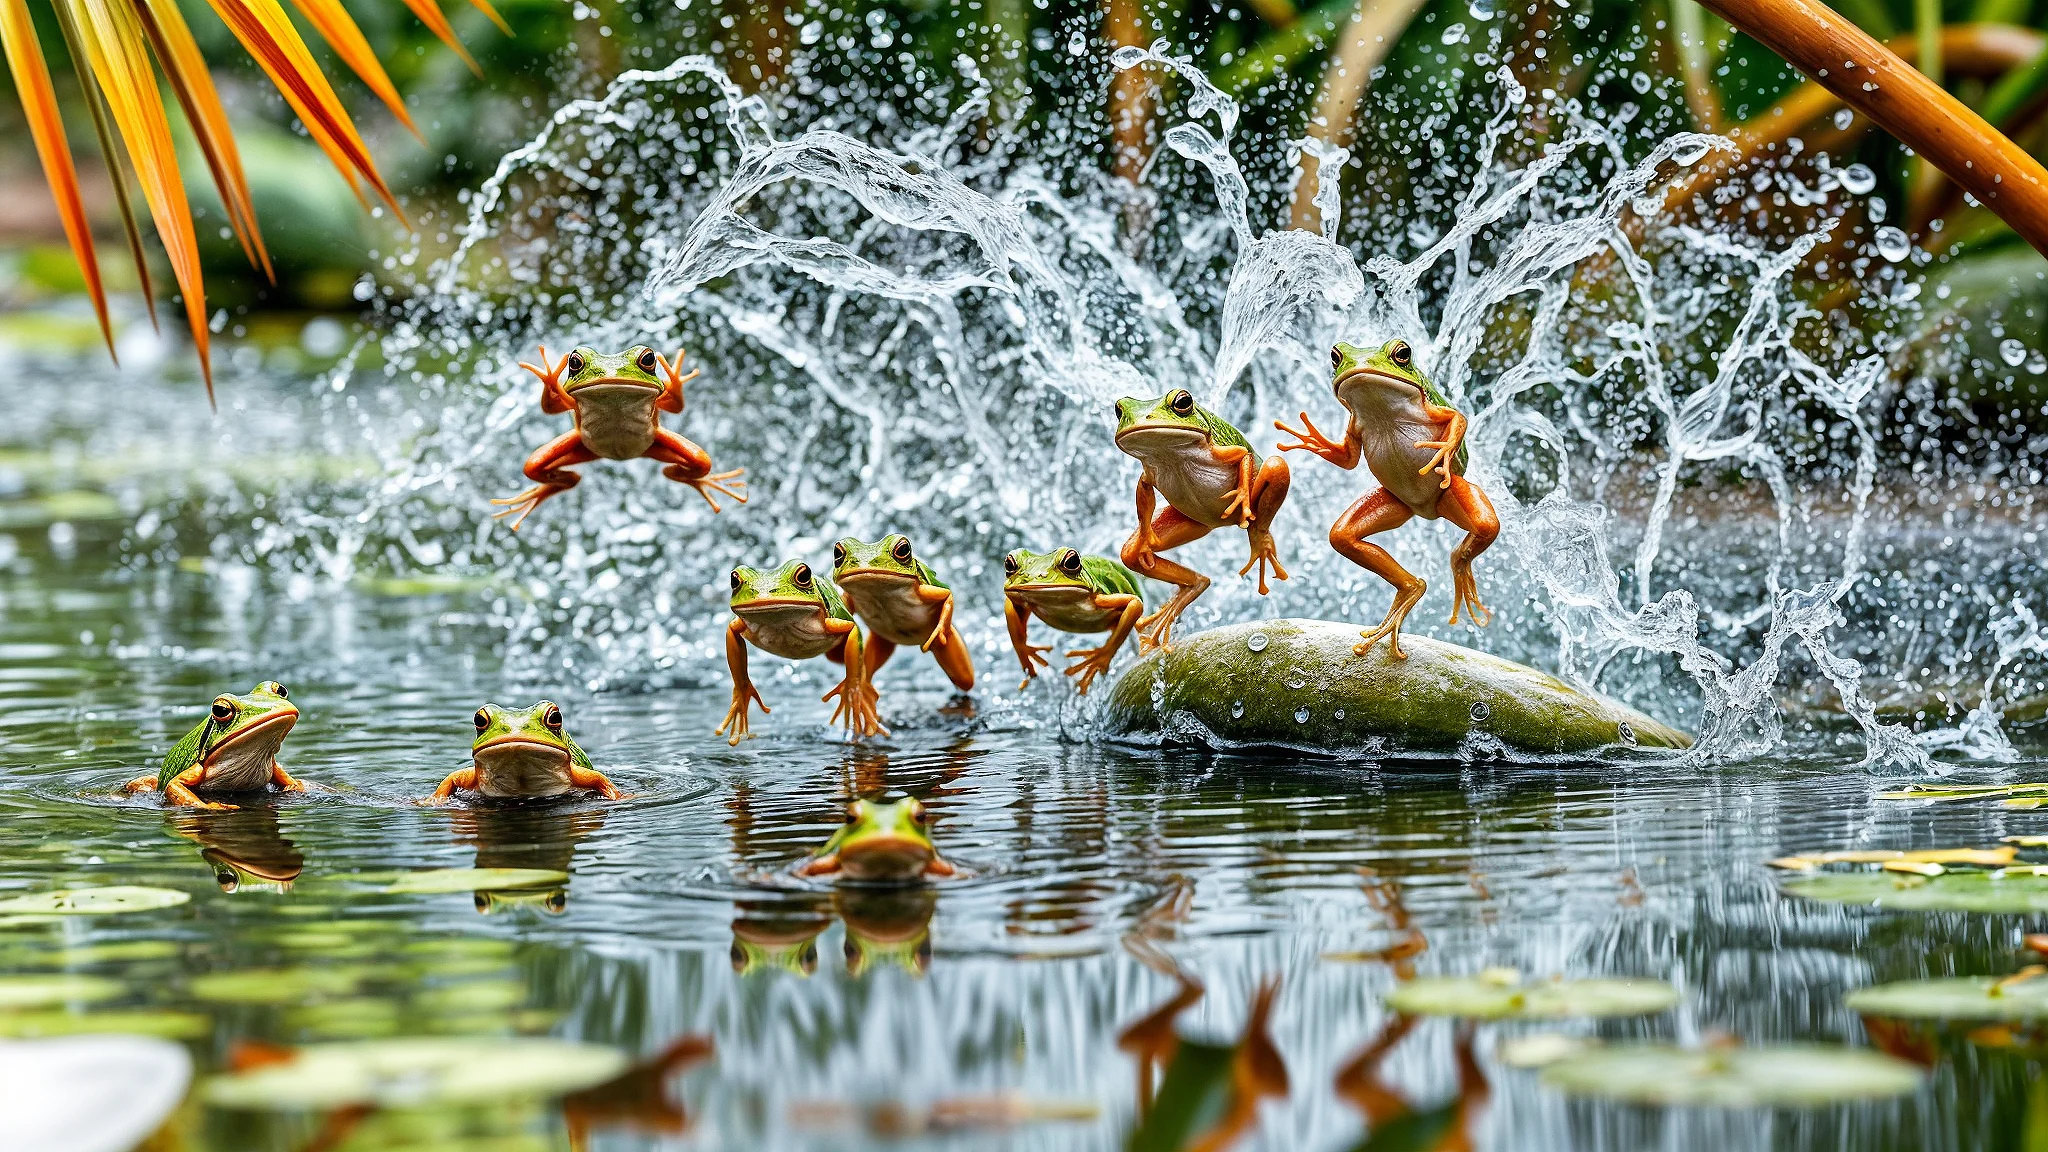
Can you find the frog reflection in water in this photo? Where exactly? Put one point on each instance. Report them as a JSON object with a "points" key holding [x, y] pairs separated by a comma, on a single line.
{"points": [[779, 935], [880, 843], [902, 601], [524, 754], [793, 614], [1414, 442], [892, 926], [618, 402], [1073, 593], [233, 750], [525, 836], [1210, 477], [246, 849]]}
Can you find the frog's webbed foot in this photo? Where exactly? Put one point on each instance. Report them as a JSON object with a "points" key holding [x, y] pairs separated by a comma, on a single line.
{"points": [[736, 715], [1032, 656], [1264, 552], [524, 503], [723, 483], [1156, 630], [1308, 439], [1238, 506], [1094, 662], [856, 707], [140, 784], [1390, 628], [1466, 588]]}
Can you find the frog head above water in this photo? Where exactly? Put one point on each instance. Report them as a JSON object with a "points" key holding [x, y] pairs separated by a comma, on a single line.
{"points": [[524, 753], [233, 750], [891, 558], [880, 842]]}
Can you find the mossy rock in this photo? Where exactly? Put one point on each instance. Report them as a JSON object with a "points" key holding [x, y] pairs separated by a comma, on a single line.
{"points": [[1297, 684]]}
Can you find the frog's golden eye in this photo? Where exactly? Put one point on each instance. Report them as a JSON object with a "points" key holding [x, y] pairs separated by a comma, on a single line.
{"points": [[1070, 562], [902, 550], [575, 363], [808, 961], [1182, 402], [736, 581], [223, 710], [646, 360], [738, 954], [802, 576], [853, 813], [226, 878], [483, 903], [273, 688], [917, 813], [838, 555], [557, 902], [552, 718], [482, 719], [1336, 357], [1010, 564], [1400, 353]]}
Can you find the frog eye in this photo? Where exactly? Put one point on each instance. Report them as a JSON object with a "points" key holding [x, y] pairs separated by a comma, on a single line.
{"points": [[646, 360], [802, 576], [1010, 564], [1400, 353], [1070, 562], [1182, 402], [575, 363], [738, 954], [808, 961], [918, 815], [736, 580], [226, 878], [1336, 357], [482, 719], [557, 902], [853, 813], [552, 718], [273, 688], [483, 903], [223, 710], [902, 550], [838, 555]]}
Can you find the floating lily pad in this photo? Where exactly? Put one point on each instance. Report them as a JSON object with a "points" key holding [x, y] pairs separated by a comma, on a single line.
{"points": [[1501, 995], [275, 985], [350, 1018], [38, 991], [94, 901], [2016, 795], [168, 1025], [121, 950], [476, 879], [418, 1071], [1954, 892], [471, 996], [1786, 1075], [1988, 857], [90, 1094], [1542, 1049], [1955, 998]]}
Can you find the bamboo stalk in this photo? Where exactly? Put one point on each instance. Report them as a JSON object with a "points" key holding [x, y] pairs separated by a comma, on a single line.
{"points": [[1871, 79], [1370, 35]]}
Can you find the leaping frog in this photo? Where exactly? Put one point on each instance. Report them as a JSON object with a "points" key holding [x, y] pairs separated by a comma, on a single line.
{"points": [[1210, 477], [233, 750], [1414, 442], [1073, 593], [618, 402], [902, 601], [792, 614]]}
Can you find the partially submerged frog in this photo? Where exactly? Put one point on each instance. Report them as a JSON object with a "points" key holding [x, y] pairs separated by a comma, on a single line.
{"points": [[618, 402], [881, 842], [902, 601], [790, 613], [233, 750], [1073, 593], [1414, 442], [1210, 477], [523, 754]]}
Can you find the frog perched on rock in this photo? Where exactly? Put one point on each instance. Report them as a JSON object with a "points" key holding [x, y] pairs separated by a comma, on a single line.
{"points": [[524, 754], [791, 613], [1210, 477], [1073, 593], [902, 601], [881, 842], [233, 750], [618, 402], [1414, 442]]}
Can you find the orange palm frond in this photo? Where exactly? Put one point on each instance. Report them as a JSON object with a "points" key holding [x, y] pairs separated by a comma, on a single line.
{"points": [[484, 6], [193, 84], [95, 103], [340, 31], [268, 35], [39, 101], [429, 12], [119, 54]]}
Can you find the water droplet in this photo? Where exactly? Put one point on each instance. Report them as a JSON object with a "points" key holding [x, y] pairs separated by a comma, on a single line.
{"points": [[1876, 207], [1480, 711], [2037, 363], [1301, 715], [1236, 709], [1893, 244], [1257, 643], [1627, 734], [1858, 179], [1640, 82], [2012, 352], [1297, 682], [1077, 45], [1691, 154], [813, 31], [1844, 118], [1340, 713], [1483, 9], [1455, 34]]}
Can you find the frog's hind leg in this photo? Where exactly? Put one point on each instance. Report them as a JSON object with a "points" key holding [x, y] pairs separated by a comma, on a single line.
{"points": [[1379, 511], [179, 791], [856, 695], [1269, 491], [1467, 507], [689, 464], [283, 779], [1095, 661], [549, 469], [951, 653], [1170, 530], [878, 652]]}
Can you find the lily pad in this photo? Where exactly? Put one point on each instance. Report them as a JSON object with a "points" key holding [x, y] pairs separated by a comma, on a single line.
{"points": [[1780, 1075], [67, 988], [350, 1018], [1954, 998], [475, 879], [417, 1071], [1954, 892], [275, 985], [1502, 996], [94, 901], [89, 1094], [168, 1025], [1542, 1049], [471, 996], [116, 952], [1986, 857]]}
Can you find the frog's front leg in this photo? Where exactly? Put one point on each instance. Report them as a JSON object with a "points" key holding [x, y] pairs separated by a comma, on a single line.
{"points": [[283, 779], [1344, 455], [945, 642], [1269, 491], [553, 400], [549, 468], [857, 698], [461, 778], [689, 464], [1379, 511], [1095, 661], [1170, 530], [1453, 435], [743, 689], [671, 398], [1030, 655], [591, 780], [179, 791], [1467, 507]]}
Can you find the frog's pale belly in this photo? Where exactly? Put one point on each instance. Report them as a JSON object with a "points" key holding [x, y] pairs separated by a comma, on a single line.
{"points": [[1391, 422], [519, 768], [1069, 609], [793, 632], [244, 765], [1183, 466], [891, 607], [617, 420]]}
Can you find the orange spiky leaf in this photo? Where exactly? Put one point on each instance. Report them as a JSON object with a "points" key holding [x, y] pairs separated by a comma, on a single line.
{"points": [[429, 13], [341, 33], [486, 8], [95, 103]]}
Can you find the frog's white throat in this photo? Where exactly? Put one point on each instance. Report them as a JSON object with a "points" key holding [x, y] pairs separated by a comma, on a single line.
{"points": [[1375, 389], [1146, 439], [512, 767], [241, 761]]}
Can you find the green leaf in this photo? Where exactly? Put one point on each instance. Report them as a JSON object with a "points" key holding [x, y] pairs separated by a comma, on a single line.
{"points": [[38, 991], [1415, 1132], [1954, 998], [94, 901], [1953, 892], [1785, 1075], [475, 879], [418, 1071], [1487, 998]]}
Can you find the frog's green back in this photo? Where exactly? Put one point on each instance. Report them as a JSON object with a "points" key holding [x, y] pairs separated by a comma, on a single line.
{"points": [[576, 754], [1224, 432], [925, 574], [183, 755], [1111, 576]]}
